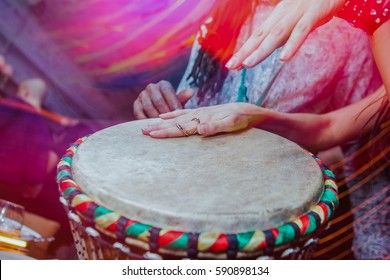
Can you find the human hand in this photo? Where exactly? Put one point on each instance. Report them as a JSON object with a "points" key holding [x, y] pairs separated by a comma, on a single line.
{"points": [[290, 22], [159, 98], [206, 121]]}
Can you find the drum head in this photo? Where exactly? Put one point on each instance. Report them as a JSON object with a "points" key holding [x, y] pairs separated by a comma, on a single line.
{"points": [[229, 183]]}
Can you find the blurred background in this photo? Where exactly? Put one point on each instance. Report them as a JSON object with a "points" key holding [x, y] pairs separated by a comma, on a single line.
{"points": [[76, 67]]}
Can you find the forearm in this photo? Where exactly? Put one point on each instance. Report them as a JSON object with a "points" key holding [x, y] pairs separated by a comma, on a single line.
{"points": [[356, 120], [317, 132], [311, 131]]}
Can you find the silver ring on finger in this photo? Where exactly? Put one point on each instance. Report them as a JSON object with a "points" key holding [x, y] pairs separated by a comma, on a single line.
{"points": [[182, 129], [196, 128]]}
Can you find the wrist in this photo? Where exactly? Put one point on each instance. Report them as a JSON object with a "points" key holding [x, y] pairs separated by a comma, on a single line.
{"points": [[311, 131]]}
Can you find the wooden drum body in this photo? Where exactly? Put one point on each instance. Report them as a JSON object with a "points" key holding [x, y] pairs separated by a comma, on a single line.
{"points": [[246, 195]]}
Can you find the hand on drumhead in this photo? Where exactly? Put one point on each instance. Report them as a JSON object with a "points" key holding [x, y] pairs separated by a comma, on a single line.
{"points": [[205, 121], [290, 22], [159, 98]]}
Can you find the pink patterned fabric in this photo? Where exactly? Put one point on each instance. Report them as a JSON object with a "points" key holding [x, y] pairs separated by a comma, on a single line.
{"points": [[332, 69]]}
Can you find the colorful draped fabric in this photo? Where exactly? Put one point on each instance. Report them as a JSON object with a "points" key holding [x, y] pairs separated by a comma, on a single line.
{"points": [[110, 39]]}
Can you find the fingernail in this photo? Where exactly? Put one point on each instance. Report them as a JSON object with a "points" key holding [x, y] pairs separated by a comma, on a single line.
{"points": [[250, 61], [283, 54], [145, 130], [232, 62], [201, 128]]}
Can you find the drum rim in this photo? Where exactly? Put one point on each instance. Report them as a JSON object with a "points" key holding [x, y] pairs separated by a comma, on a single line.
{"points": [[133, 232]]}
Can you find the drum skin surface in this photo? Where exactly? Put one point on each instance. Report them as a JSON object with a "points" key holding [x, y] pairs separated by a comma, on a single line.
{"points": [[230, 183]]}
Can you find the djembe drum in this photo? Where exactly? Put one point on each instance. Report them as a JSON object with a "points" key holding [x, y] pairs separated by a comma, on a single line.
{"points": [[245, 195]]}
